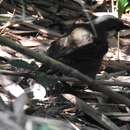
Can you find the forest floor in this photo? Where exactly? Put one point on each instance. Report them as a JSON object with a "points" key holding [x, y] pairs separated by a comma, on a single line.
{"points": [[39, 99]]}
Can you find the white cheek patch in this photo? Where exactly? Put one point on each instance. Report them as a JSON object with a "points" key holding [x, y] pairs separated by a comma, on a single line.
{"points": [[81, 37], [87, 38]]}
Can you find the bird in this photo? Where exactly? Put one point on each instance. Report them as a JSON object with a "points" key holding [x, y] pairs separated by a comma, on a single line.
{"points": [[83, 48]]}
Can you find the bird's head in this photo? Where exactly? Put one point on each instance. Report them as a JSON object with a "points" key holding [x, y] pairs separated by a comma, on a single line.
{"points": [[109, 23]]}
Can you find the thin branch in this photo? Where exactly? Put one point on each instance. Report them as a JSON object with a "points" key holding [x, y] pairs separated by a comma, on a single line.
{"points": [[12, 73], [65, 79], [100, 82]]}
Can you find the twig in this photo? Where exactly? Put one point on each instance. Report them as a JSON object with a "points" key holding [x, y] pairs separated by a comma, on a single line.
{"points": [[100, 82], [7, 24], [42, 29], [69, 79], [7, 72], [118, 46]]}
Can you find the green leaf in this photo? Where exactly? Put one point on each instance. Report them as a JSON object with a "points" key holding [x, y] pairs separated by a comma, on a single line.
{"points": [[42, 127], [50, 124], [43, 79], [127, 8], [23, 64], [121, 6]]}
